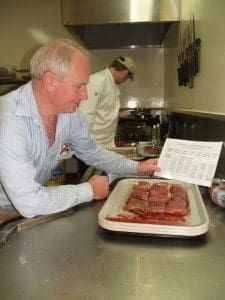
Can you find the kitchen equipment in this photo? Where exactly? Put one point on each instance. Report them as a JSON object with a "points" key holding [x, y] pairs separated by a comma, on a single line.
{"points": [[7, 71], [120, 24], [137, 125], [129, 152]]}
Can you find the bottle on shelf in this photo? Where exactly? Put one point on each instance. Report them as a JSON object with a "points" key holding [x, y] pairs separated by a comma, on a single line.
{"points": [[154, 135], [158, 135]]}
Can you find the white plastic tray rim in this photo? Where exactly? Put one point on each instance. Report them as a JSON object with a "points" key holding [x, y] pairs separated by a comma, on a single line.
{"points": [[197, 222]]}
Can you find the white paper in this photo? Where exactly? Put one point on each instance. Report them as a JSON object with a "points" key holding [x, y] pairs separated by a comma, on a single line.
{"points": [[190, 161]]}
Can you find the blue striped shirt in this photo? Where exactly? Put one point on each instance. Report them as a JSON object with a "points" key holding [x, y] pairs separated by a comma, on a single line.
{"points": [[26, 159]]}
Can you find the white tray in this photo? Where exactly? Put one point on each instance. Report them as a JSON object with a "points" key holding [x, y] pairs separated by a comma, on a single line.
{"points": [[133, 149], [140, 151], [197, 222]]}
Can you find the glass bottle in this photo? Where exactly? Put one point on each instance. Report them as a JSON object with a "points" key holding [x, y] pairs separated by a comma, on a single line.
{"points": [[154, 135], [158, 134]]}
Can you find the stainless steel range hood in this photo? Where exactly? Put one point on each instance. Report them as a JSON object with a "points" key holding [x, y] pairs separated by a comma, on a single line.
{"points": [[103, 24]]}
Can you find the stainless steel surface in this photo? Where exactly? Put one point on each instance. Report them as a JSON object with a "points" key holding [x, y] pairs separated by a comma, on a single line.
{"points": [[8, 231], [104, 24], [73, 258], [129, 152], [218, 117], [117, 11]]}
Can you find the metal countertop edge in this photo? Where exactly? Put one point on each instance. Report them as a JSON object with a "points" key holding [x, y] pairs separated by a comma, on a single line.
{"points": [[11, 229]]}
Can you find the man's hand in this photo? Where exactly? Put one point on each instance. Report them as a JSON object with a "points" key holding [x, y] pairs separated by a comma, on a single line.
{"points": [[100, 186], [148, 167]]}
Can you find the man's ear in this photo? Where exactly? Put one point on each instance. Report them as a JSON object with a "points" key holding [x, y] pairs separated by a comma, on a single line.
{"points": [[48, 81]]}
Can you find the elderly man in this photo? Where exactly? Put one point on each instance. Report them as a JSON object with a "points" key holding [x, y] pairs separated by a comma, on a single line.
{"points": [[40, 126]]}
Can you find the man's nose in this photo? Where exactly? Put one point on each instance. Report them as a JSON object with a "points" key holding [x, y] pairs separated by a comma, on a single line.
{"points": [[83, 93]]}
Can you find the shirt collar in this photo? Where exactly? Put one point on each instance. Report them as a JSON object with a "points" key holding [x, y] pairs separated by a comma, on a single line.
{"points": [[110, 75], [113, 81], [27, 105]]}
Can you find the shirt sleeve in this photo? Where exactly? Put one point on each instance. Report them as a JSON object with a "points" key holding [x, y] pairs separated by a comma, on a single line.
{"points": [[18, 176], [86, 149]]}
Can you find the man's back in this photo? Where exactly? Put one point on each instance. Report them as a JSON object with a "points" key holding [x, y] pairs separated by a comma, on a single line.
{"points": [[102, 107]]}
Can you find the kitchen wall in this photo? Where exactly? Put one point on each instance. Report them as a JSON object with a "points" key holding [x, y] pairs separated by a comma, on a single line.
{"points": [[149, 77], [199, 113], [25, 25], [208, 94]]}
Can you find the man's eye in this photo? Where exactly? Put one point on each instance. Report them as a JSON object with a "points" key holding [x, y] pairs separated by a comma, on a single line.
{"points": [[77, 87]]}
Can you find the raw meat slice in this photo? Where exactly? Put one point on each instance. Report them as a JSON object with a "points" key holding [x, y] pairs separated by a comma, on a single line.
{"points": [[156, 207], [158, 191], [159, 199], [142, 185], [177, 207], [140, 194], [129, 153], [152, 150], [135, 205], [179, 196], [177, 188], [161, 185]]}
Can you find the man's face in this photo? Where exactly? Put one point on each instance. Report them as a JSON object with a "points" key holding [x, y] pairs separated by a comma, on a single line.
{"points": [[69, 92], [122, 76]]}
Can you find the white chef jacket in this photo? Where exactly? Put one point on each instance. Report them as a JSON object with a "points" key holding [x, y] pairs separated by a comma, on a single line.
{"points": [[26, 158], [102, 107]]}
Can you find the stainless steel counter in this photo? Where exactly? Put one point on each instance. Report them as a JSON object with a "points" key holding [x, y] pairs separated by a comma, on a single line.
{"points": [[73, 258]]}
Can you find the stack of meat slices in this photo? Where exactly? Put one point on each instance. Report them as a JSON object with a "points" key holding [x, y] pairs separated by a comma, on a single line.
{"points": [[152, 149], [157, 203], [129, 153]]}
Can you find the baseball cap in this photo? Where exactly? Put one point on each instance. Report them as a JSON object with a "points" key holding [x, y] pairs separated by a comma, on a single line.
{"points": [[128, 63]]}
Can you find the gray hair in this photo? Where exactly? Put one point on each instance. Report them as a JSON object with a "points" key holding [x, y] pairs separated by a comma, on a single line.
{"points": [[56, 57]]}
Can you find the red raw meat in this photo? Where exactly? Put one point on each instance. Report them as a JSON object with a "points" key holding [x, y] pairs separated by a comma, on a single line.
{"points": [[135, 205], [143, 185], [152, 219], [158, 191], [159, 203], [177, 207], [159, 199], [179, 196], [177, 188], [156, 207], [160, 185], [140, 194], [152, 149]]}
